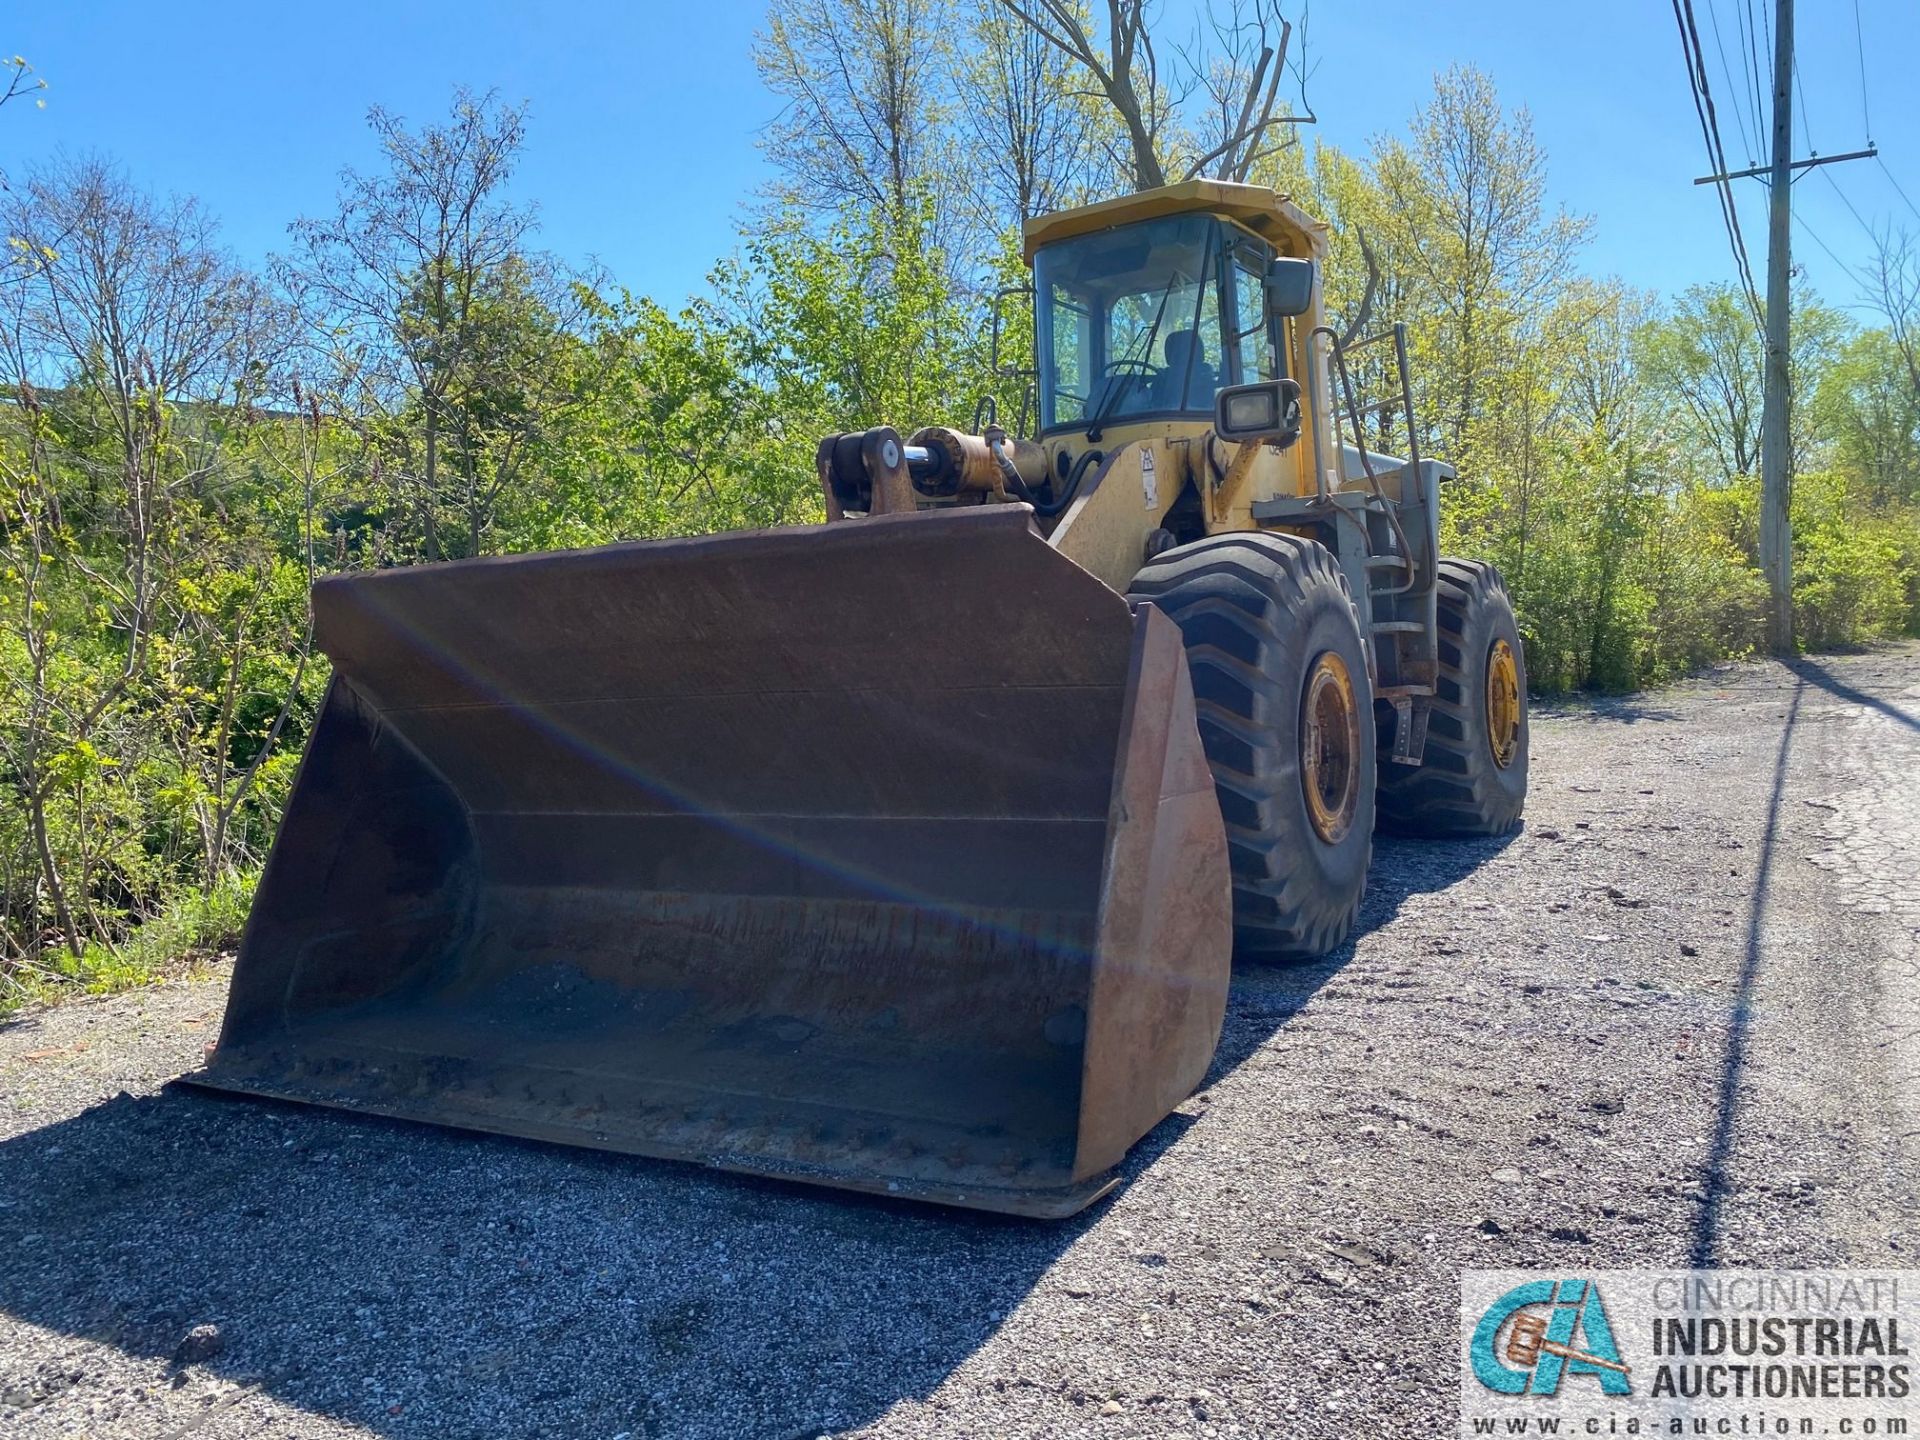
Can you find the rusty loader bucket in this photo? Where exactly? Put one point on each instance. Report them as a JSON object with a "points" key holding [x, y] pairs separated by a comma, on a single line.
{"points": [[880, 854]]}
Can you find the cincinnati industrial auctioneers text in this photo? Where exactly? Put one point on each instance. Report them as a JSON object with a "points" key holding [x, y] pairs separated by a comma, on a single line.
{"points": [[1742, 1348], [1694, 1352]]}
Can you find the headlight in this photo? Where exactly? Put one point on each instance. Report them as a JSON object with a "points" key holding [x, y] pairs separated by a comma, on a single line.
{"points": [[1253, 411], [1264, 410]]}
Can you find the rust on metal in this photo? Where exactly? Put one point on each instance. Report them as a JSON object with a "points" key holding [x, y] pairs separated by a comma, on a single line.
{"points": [[879, 855], [1330, 747], [885, 459], [966, 464], [1504, 704], [962, 462]]}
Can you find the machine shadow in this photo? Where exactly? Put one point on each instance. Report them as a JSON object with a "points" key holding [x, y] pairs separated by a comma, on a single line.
{"points": [[425, 1282], [422, 1282]]}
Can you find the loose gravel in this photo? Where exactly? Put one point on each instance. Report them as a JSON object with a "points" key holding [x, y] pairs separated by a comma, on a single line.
{"points": [[1673, 1019]]}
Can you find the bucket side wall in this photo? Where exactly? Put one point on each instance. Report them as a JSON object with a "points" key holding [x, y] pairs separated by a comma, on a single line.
{"points": [[373, 878], [1165, 949]]}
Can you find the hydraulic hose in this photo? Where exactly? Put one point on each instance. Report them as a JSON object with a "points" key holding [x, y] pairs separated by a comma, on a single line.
{"points": [[1046, 510]]}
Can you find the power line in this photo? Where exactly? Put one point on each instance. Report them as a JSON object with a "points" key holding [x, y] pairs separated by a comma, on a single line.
{"points": [[1848, 203], [1896, 188], [1860, 49], [1750, 42], [1866, 115], [1847, 269], [1872, 239], [1806, 129], [1716, 155], [1739, 117]]}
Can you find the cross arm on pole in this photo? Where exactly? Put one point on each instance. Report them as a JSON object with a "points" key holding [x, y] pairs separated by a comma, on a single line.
{"points": [[1866, 154]]}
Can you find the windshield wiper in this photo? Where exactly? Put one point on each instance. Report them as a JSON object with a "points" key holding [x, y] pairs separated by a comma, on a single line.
{"points": [[1117, 384]]}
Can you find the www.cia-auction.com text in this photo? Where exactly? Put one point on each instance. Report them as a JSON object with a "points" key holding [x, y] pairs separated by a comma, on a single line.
{"points": [[1758, 1425]]}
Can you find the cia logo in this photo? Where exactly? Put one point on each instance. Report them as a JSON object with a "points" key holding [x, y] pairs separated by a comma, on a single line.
{"points": [[1537, 1334]]}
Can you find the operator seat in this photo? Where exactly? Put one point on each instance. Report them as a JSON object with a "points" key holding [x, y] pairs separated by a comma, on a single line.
{"points": [[1174, 388]]}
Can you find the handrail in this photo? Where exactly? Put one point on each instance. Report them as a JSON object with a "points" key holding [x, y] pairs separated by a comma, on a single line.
{"points": [[1392, 511]]}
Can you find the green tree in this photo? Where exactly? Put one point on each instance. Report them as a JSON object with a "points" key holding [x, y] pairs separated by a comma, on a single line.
{"points": [[864, 119], [434, 328], [1867, 401], [1464, 200], [1705, 361], [127, 303]]}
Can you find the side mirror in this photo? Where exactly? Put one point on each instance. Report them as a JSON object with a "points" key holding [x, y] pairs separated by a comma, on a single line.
{"points": [[1265, 410], [1290, 286]]}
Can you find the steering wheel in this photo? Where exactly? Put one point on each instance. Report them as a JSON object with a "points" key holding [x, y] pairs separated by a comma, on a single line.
{"points": [[1117, 378]]}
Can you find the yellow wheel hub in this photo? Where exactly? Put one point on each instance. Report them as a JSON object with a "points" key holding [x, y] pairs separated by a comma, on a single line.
{"points": [[1330, 748], [1503, 703]]}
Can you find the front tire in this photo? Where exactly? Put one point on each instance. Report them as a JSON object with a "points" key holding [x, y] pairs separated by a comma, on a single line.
{"points": [[1473, 779], [1285, 711]]}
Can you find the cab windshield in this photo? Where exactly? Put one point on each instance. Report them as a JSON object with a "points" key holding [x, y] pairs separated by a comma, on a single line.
{"points": [[1129, 322]]}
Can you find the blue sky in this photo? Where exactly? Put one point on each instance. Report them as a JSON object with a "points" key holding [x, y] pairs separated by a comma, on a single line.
{"points": [[645, 115]]}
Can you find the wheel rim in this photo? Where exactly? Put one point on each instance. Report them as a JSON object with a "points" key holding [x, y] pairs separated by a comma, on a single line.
{"points": [[1503, 703], [1330, 748]]}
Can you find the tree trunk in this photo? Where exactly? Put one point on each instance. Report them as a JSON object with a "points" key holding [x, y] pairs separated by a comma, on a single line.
{"points": [[1526, 486], [50, 872], [1147, 174], [475, 507], [431, 533], [1466, 380]]}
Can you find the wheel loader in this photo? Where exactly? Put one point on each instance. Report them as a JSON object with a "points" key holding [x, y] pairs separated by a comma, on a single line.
{"points": [[908, 852]]}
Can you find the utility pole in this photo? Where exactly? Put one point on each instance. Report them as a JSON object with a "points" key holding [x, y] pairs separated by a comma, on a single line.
{"points": [[1776, 457], [1776, 443]]}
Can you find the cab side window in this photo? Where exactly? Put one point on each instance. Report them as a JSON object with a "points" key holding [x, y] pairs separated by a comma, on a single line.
{"points": [[1252, 334]]}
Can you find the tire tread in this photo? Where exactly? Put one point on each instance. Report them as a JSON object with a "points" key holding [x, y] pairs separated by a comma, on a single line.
{"points": [[1456, 790], [1255, 585]]}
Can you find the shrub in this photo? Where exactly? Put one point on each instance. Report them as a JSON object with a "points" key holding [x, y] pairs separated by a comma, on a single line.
{"points": [[1854, 569], [194, 928]]}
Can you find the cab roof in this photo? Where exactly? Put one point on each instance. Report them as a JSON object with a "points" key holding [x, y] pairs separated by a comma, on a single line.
{"points": [[1269, 214]]}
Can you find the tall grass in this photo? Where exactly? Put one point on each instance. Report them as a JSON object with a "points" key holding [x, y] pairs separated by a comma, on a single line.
{"points": [[192, 930]]}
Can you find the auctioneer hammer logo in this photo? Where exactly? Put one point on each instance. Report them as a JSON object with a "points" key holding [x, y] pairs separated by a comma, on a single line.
{"points": [[1538, 1333]]}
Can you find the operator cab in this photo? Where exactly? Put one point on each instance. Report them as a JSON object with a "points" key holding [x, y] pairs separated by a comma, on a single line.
{"points": [[1149, 320]]}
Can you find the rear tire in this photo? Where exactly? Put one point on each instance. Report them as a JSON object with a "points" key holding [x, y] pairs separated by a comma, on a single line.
{"points": [[1473, 780], [1285, 710]]}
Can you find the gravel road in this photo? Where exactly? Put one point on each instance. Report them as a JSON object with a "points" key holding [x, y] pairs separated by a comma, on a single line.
{"points": [[1676, 1017]]}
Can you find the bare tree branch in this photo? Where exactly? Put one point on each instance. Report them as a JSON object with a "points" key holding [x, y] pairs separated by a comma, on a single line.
{"points": [[1237, 68], [1363, 312]]}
